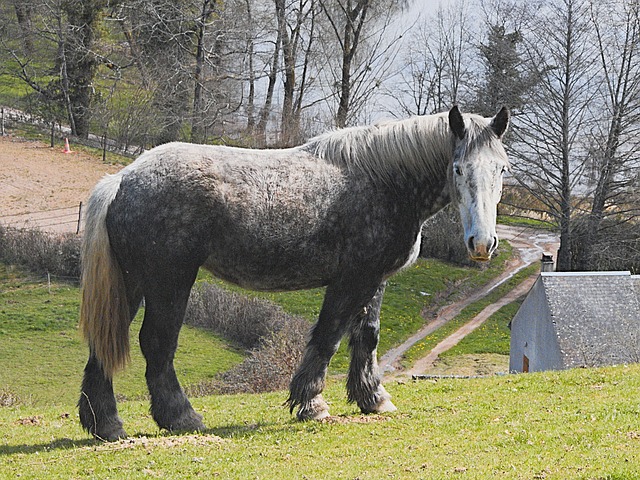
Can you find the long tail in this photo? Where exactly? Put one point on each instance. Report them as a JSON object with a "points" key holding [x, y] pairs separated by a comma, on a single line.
{"points": [[104, 313]]}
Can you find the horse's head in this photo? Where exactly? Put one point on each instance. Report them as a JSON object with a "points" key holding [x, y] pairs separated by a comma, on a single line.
{"points": [[479, 162]]}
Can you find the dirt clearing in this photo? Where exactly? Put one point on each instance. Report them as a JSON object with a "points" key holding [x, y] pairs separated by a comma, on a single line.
{"points": [[37, 178]]}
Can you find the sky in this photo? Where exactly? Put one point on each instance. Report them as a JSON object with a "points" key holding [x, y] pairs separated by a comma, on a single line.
{"points": [[427, 7]]}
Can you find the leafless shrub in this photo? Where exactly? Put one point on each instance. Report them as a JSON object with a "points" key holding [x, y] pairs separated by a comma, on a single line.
{"points": [[268, 368], [617, 246], [41, 252], [443, 238], [518, 202], [243, 320], [274, 338]]}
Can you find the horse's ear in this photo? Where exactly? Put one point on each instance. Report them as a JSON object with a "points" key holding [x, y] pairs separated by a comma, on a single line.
{"points": [[456, 122], [500, 122]]}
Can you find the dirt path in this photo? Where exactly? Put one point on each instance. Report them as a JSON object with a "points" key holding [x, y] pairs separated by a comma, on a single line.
{"points": [[42, 187], [530, 245], [426, 363]]}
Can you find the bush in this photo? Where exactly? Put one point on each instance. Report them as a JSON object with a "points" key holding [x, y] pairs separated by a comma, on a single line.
{"points": [[518, 202], [41, 252], [269, 367], [443, 238], [275, 339], [617, 245]]}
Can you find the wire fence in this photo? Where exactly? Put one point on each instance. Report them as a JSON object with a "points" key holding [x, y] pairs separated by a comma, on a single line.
{"points": [[11, 118], [43, 280], [55, 220]]}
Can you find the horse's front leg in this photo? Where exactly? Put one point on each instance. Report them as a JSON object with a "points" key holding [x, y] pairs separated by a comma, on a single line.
{"points": [[342, 302], [164, 313], [363, 383]]}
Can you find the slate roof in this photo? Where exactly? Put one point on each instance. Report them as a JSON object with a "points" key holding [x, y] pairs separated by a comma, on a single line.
{"points": [[596, 315]]}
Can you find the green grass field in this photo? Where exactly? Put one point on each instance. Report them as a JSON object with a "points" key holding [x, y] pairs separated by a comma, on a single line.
{"points": [[42, 354], [493, 336], [579, 424]]}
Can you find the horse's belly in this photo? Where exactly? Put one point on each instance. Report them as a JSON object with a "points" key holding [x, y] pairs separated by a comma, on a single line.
{"points": [[268, 272]]}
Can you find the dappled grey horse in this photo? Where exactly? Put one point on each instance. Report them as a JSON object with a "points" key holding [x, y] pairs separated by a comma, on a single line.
{"points": [[344, 210]]}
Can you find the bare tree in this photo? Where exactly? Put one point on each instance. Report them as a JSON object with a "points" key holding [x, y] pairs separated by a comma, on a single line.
{"points": [[439, 62], [359, 31], [24, 14], [272, 67], [78, 62], [61, 70], [207, 9], [297, 26], [551, 132], [158, 33], [188, 54], [347, 19], [615, 148]]}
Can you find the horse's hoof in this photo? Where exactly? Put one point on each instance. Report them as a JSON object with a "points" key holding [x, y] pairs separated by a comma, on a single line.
{"points": [[321, 415], [385, 406], [111, 435], [316, 409], [188, 422]]}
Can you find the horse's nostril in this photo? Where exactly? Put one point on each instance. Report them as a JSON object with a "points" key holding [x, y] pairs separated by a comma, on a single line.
{"points": [[471, 244]]}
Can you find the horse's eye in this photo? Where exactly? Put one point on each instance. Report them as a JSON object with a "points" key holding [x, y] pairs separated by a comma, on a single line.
{"points": [[457, 169]]}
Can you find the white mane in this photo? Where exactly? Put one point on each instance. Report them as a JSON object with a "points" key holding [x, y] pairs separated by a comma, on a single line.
{"points": [[420, 146]]}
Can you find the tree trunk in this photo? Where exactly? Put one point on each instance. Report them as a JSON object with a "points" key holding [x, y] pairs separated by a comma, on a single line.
{"points": [[621, 82], [251, 121], [289, 67], [349, 39], [261, 128], [24, 11], [81, 63], [197, 133]]}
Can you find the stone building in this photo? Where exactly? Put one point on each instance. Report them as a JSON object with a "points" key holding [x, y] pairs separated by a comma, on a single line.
{"points": [[577, 319]]}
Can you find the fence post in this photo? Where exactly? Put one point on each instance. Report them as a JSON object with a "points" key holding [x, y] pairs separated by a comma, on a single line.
{"points": [[104, 147], [2, 132], [79, 218]]}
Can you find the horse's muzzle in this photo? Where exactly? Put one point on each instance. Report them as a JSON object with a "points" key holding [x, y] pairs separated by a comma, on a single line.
{"points": [[481, 251]]}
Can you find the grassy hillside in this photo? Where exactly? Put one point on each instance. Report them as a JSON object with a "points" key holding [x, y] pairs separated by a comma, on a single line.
{"points": [[42, 355], [495, 330], [580, 424]]}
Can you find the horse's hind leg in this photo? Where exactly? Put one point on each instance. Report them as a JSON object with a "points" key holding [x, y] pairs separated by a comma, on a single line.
{"points": [[166, 302], [342, 302], [97, 403], [363, 382]]}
